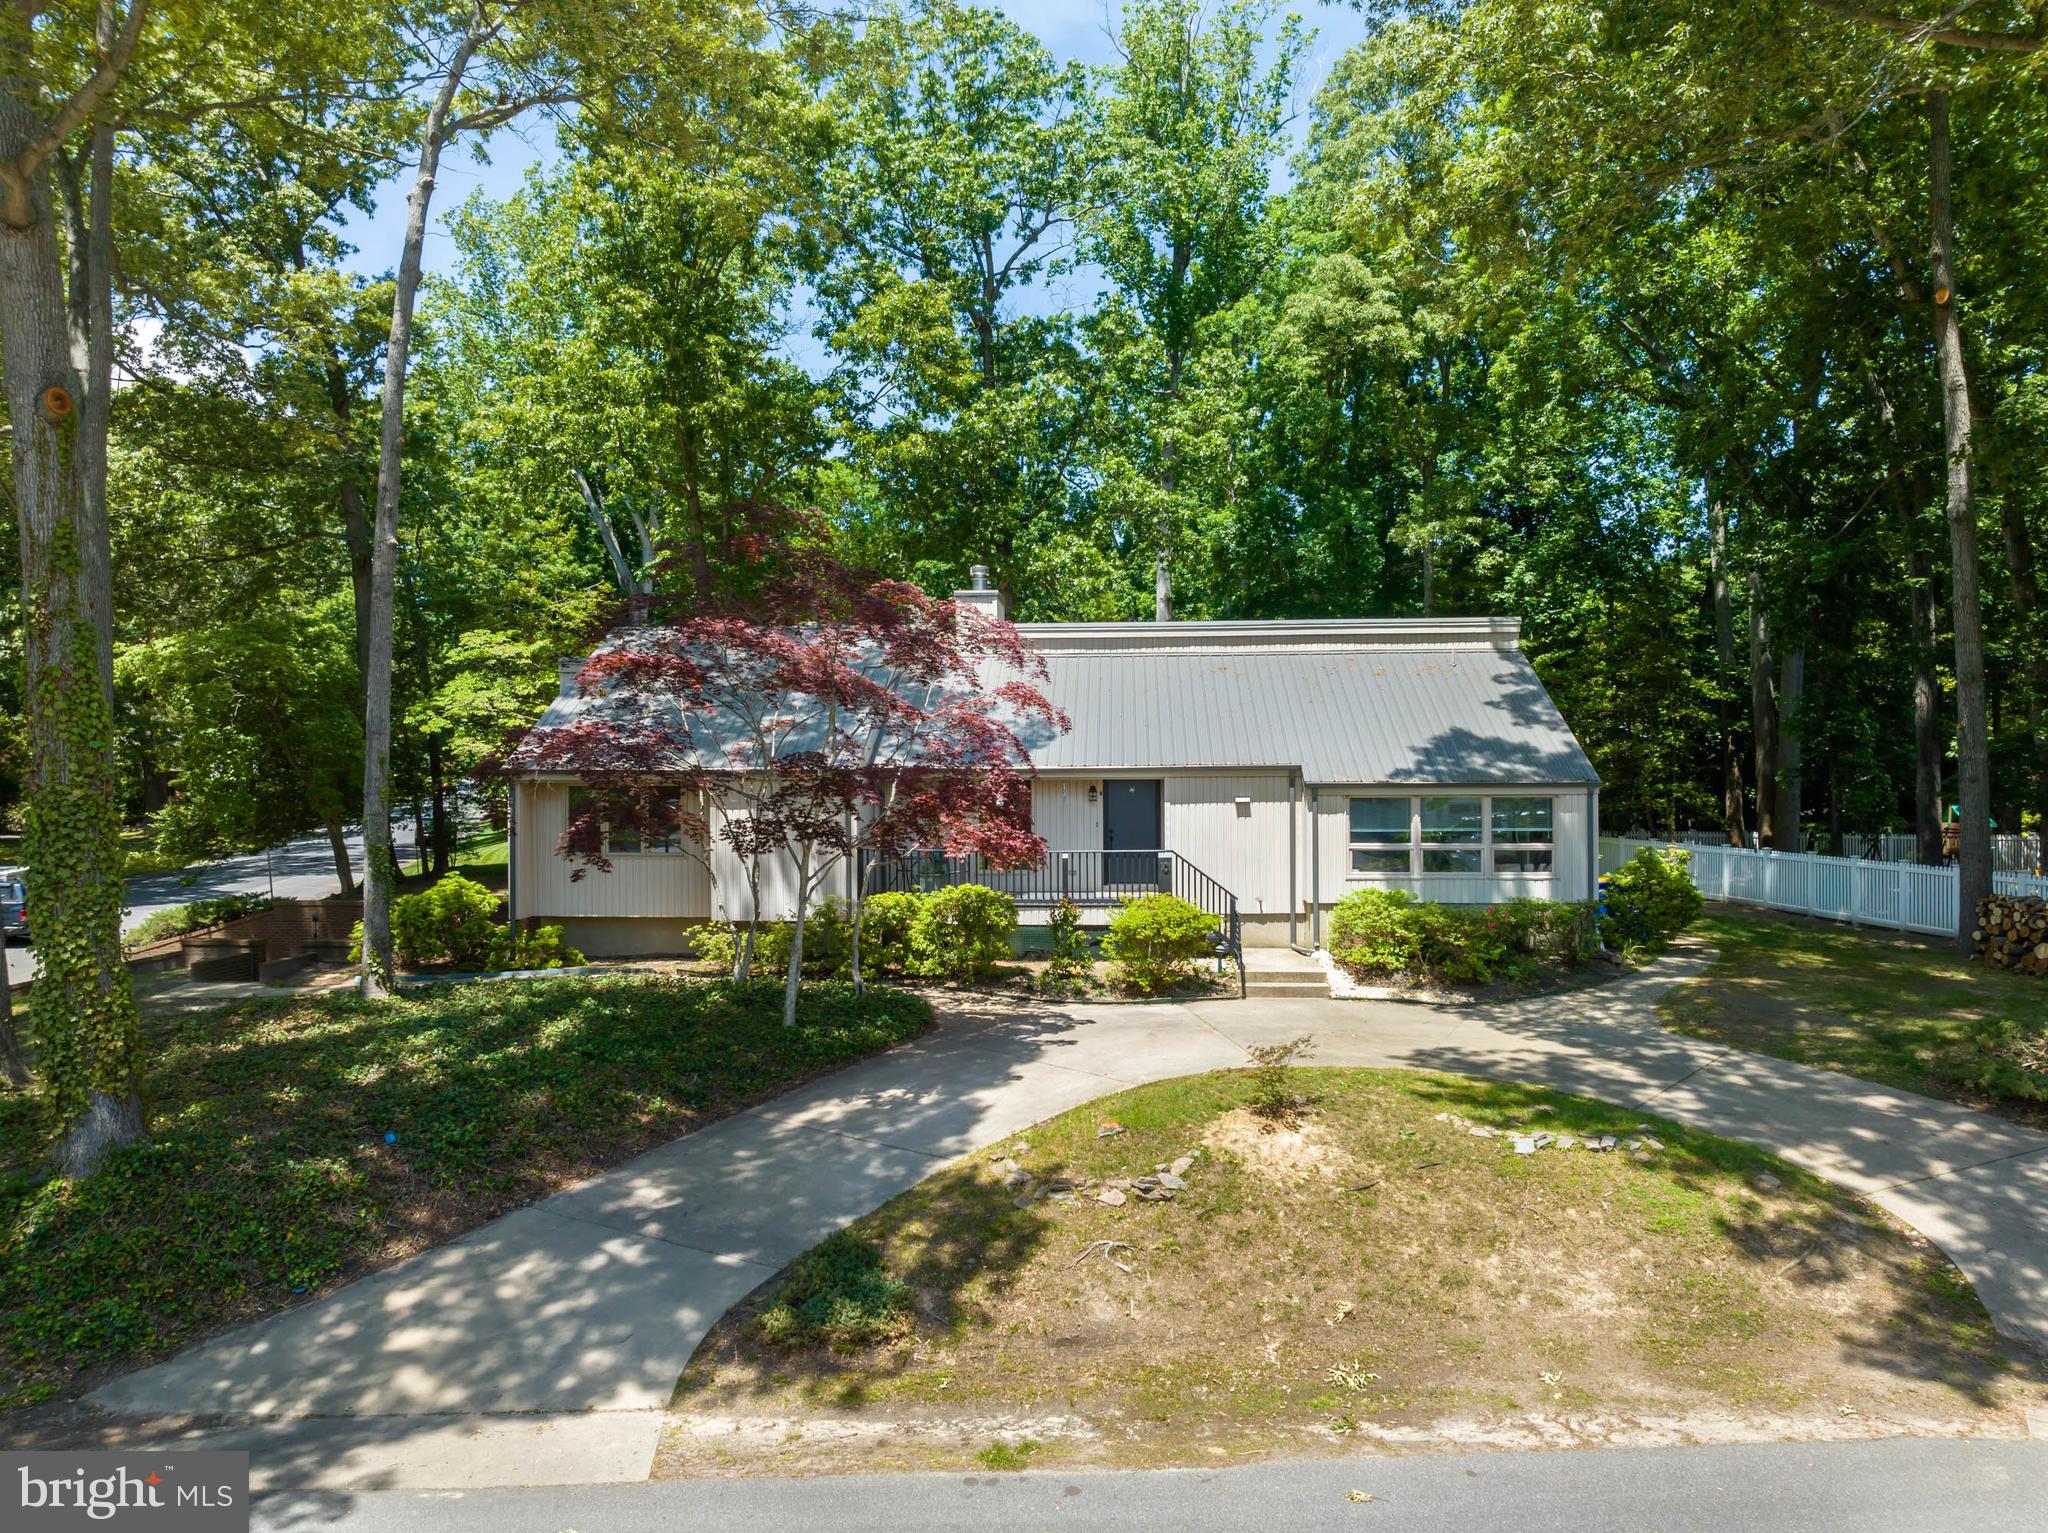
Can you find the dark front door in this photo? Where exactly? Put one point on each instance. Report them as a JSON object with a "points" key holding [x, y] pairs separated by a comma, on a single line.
{"points": [[1130, 835]]}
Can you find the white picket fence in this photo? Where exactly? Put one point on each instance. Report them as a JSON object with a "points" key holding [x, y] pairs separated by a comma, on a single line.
{"points": [[1903, 896], [2009, 854]]}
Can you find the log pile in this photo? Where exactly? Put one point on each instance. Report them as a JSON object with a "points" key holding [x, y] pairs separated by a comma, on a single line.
{"points": [[2012, 933]]}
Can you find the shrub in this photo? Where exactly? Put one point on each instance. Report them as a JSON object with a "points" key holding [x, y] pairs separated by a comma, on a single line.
{"points": [[1378, 932], [885, 923], [2002, 1057], [1068, 970], [1650, 897], [542, 947], [1273, 1095], [838, 1295], [454, 921], [1155, 940], [200, 914], [719, 943], [961, 932], [828, 942]]}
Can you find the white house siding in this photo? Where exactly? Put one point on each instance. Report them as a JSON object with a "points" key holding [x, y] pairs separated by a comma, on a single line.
{"points": [[642, 885], [1570, 859], [1242, 846]]}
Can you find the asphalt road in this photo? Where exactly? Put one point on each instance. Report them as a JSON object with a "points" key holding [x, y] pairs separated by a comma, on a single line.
{"points": [[302, 869], [1904, 1485]]}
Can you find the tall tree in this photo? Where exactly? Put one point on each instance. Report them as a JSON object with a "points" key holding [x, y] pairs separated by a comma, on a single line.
{"points": [[1189, 126]]}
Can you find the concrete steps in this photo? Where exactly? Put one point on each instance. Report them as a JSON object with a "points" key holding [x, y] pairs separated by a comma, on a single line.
{"points": [[1295, 983]]}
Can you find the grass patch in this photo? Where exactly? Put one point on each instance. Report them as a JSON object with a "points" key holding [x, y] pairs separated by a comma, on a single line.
{"points": [[1007, 1457], [299, 1145], [1900, 1010], [1368, 1268]]}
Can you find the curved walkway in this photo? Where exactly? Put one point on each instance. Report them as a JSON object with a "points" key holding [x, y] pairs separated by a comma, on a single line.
{"points": [[543, 1347]]}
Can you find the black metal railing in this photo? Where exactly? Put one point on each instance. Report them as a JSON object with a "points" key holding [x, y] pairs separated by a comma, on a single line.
{"points": [[1092, 879]]}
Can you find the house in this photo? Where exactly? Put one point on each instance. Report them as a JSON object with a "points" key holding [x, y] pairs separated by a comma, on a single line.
{"points": [[1263, 769]]}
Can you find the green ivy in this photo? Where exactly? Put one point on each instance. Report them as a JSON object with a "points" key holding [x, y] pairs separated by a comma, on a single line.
{"points": [[81, 1009]]}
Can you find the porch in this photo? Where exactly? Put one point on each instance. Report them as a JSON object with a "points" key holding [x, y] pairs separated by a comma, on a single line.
{"points": [[1095, 880]]}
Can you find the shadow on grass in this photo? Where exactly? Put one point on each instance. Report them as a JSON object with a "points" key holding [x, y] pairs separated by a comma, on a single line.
{"points": [[296, 1144], [1806, 1233]]}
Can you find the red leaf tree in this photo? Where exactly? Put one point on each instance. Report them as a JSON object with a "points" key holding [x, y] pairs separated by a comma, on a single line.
{"points": [[828, 714]]}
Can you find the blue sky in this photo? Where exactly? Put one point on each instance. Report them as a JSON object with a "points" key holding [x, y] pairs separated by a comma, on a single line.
{"points": [[1072, 29]]}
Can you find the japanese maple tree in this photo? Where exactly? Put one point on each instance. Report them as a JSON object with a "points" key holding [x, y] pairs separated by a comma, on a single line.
{"points": [[821, 714]]}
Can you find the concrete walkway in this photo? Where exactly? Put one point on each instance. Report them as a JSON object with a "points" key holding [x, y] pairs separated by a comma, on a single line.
{"points": [[541, 1348]]}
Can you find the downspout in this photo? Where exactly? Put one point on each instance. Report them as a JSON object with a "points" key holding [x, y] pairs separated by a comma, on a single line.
{"points": [[1293, 859], [1315, 867], [1593, 836]]}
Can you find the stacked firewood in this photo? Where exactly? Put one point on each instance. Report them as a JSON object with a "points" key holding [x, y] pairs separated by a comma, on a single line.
{"points": [[2012, 932]]}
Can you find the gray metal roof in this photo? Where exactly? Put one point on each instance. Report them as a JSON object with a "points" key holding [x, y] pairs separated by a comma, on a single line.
{"points": [[1359, 715], [1449, 701]]}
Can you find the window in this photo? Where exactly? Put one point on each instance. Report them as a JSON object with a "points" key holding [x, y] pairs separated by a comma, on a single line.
{"points": [[620, 839], [1381, 834], [1452, 834], [1522, 836]]}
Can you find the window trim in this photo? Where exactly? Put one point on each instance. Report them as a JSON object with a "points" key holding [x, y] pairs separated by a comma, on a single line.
{"points": [[674, 839], [1417, 848]]}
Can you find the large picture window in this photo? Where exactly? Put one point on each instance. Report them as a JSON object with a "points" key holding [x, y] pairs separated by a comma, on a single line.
{"points": [[1382, 835], [1452, 833], [1522, 835]]}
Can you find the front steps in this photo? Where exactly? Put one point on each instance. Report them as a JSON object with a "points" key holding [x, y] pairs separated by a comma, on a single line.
{"points": [[1283, 974]]}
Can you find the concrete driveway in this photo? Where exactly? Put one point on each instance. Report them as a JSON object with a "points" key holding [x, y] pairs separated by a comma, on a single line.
{"points": [[541, 1348]]}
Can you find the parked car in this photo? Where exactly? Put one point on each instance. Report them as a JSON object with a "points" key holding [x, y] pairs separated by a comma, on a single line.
{"points": [[13, 902]]}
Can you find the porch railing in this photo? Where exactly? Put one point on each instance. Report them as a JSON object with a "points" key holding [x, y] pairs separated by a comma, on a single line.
{"points": [[1092, 878]]}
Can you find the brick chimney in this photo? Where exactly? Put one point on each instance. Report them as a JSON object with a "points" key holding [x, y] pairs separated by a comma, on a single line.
{"points": [[982, 596]]}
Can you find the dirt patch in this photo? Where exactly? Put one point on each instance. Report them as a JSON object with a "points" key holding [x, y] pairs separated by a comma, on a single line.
{"points": [[1284, 1152], [1381, 1276]]}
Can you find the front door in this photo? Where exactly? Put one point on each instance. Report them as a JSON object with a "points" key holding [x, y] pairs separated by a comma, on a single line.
{"points": [[1130, 836]]}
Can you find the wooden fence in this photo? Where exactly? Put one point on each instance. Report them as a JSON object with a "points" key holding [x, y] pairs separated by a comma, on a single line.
{"points": [[1903, 896]]}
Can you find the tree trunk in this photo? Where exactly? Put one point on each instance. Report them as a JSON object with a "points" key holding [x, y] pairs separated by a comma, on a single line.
{"points": [[1763, 709], [1791, 790], [1734, 810], [437, 779], [378, 867], [337, 846], [13, 1064], [1973, 754], [793, 981], [81, 1009]]}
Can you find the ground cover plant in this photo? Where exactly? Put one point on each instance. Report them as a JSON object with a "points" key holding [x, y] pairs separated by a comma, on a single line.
{"points": [[298, 1145], [1377, 1263], [1888, 1007]]}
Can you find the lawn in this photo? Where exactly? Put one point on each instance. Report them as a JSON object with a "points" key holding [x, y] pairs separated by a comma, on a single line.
{"points": [[1376, 1274], [1883, 1006], [298, 1145]]}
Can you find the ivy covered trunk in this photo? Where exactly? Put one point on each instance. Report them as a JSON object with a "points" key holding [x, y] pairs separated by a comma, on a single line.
{"points": [[81, 1012]]}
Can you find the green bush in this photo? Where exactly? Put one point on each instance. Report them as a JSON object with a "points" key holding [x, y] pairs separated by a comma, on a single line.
{"points": [[197, 916], [828, 941], [839, 1295], [542, 947], [1155, 941], [1381, 932], [1068, 970], [961, 932], [1649, 898], [719, 943], [885, 923], [2002, 1057], [454, 921]]}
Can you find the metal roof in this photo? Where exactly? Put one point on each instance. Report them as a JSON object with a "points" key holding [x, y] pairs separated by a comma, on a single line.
{"points": [[1449, 701], [1368, 714]]}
